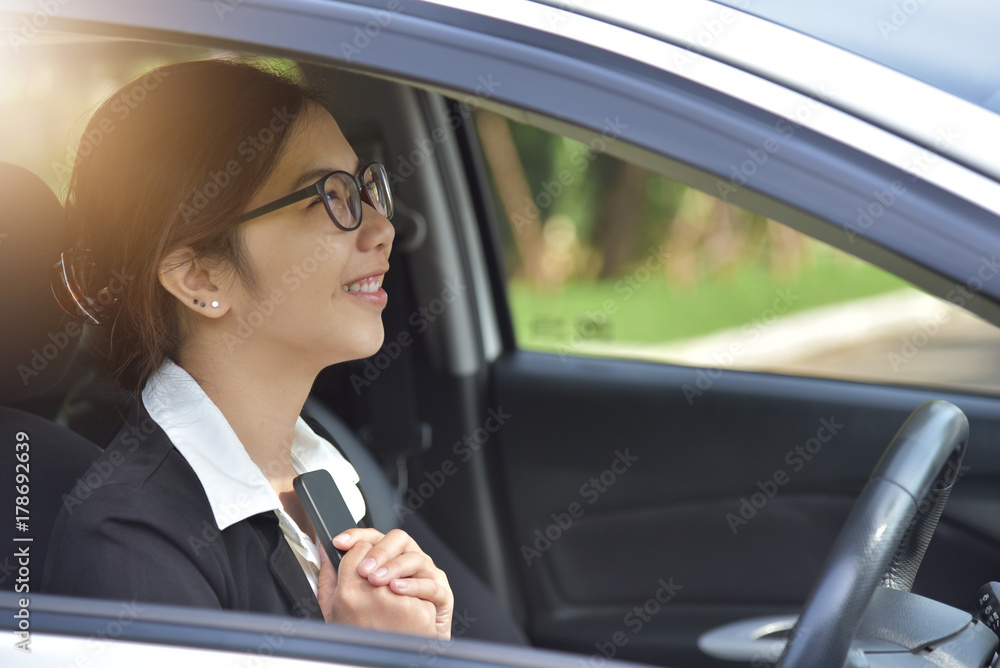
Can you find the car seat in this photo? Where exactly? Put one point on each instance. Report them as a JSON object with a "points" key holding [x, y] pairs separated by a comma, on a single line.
{"points": [[37, 343]]}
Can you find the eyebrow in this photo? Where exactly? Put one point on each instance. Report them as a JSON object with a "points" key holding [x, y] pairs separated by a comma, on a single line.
{"points": [[316, 174]]}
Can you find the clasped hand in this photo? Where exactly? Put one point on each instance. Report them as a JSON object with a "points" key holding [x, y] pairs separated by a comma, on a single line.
{"points": [[385, 582]]}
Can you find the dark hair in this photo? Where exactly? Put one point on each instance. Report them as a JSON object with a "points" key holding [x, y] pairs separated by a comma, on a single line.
{"points": [[171, 160]]}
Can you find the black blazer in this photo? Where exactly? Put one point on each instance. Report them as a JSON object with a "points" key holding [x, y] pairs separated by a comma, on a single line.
{"points": [[138, 527]]}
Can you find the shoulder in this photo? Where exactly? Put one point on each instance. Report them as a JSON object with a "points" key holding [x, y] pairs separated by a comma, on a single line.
{"points": [[141, 457], [141, 477], [140, 508]]}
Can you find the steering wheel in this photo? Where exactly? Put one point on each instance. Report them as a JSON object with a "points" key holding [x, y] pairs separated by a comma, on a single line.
{"points": [[885, 536]]}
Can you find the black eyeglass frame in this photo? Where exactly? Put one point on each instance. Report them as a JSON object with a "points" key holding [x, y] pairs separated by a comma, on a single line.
{"points": [[317, 189]]}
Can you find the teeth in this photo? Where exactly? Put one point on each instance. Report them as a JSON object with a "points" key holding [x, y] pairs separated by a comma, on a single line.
{"points": [[366, 285]]}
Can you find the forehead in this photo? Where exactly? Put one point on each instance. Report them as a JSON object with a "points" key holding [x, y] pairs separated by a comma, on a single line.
{"points": [[315, 143]]}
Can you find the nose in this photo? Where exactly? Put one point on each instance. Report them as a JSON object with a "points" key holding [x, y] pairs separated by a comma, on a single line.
{"points": [[376, 232]]}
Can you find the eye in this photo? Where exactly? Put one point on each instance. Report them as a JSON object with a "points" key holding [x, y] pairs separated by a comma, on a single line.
{"points": [[331, 195]]}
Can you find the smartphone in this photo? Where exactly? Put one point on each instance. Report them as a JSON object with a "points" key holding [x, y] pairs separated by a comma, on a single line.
{"points": [[326, 509]]}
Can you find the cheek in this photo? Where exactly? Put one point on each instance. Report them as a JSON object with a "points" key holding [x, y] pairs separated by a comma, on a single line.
{"points": [[315, 263]]}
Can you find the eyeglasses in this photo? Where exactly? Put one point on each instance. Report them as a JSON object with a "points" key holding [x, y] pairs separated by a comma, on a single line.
{"points": [[341, 194]]}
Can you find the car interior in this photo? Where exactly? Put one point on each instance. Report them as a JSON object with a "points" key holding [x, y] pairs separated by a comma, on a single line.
{"points": [[562, 492]]}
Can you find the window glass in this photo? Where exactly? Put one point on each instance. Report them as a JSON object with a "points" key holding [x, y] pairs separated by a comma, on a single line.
{"points": [[607, 259]]}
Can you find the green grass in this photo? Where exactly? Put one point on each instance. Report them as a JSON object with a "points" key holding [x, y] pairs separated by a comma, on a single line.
{"points": [[654, 311]]}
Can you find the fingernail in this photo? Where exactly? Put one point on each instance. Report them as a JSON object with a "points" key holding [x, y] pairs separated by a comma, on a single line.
{"points": [[381, 573], [402, 585], [340, 538], [368, 564]]}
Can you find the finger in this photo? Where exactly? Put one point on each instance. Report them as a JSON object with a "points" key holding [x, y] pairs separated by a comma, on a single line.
{"points": [[425, 588], [433, 591], [393, 544], [349, 563], [406, 565], [347, 539], [326, 584]]}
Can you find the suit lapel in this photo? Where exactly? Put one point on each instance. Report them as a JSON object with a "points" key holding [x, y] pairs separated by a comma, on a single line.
{"points": [[288, 574]]}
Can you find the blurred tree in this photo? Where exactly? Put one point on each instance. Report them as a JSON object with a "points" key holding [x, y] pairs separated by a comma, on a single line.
{"points": [[577, 215], [618, 222], [515, 194]]}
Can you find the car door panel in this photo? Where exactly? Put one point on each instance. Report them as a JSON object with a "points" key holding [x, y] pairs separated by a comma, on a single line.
{"points": [[726, 501]]}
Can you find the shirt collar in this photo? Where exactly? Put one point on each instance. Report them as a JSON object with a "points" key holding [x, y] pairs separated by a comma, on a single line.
{"points": [[235, 486]]}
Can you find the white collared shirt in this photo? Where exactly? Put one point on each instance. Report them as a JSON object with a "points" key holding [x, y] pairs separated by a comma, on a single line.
{"points": [[235, 486]]}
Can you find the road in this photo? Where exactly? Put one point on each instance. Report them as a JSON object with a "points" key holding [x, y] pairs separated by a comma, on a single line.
{"points": [[903, 337]]}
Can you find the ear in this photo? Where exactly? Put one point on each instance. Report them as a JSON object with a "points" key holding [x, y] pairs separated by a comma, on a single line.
{"points": [[193, 282]]}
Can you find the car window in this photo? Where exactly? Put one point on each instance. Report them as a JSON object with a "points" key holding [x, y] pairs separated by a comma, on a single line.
{"points": [[46, 138], [604, 258]]}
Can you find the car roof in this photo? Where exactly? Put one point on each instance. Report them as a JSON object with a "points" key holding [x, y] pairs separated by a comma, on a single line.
{"points": [[949, 45], [898, 86]]}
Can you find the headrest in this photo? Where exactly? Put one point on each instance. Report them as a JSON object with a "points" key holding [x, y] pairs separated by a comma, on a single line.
{"points": [[37, 339]]}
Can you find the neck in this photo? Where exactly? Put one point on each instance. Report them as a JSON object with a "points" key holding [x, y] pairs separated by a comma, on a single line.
{"points": [[261, 398]]}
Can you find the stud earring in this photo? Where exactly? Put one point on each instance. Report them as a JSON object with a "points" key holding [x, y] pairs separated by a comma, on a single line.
{"points": [[202, 304], [215, 304], [195, 300]]}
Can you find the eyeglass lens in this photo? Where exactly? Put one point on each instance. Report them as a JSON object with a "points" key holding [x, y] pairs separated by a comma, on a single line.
{"points": [[377, 187], [344, 200]]}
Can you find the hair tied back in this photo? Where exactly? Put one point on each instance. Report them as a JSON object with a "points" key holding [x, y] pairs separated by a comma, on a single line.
{"points": [[68, 281]]}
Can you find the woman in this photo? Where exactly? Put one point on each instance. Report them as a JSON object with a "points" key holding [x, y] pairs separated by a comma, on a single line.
{"points": [[235, 246]]}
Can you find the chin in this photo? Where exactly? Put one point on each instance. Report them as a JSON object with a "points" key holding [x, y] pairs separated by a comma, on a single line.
{"points": [[368, 346]]}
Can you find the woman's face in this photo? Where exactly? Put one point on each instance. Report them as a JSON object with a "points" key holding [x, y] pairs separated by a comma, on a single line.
{"points": [[320, 298]]}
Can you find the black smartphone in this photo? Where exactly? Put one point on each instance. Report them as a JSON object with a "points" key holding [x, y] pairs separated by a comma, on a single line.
{"points": [[326, 509]]}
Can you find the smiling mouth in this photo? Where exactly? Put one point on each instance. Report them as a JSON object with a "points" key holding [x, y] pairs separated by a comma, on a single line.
{"points": [[370, 284]]}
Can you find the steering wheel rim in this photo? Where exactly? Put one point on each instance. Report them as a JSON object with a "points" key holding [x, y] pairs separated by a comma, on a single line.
{"points": [[885, 536]]}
